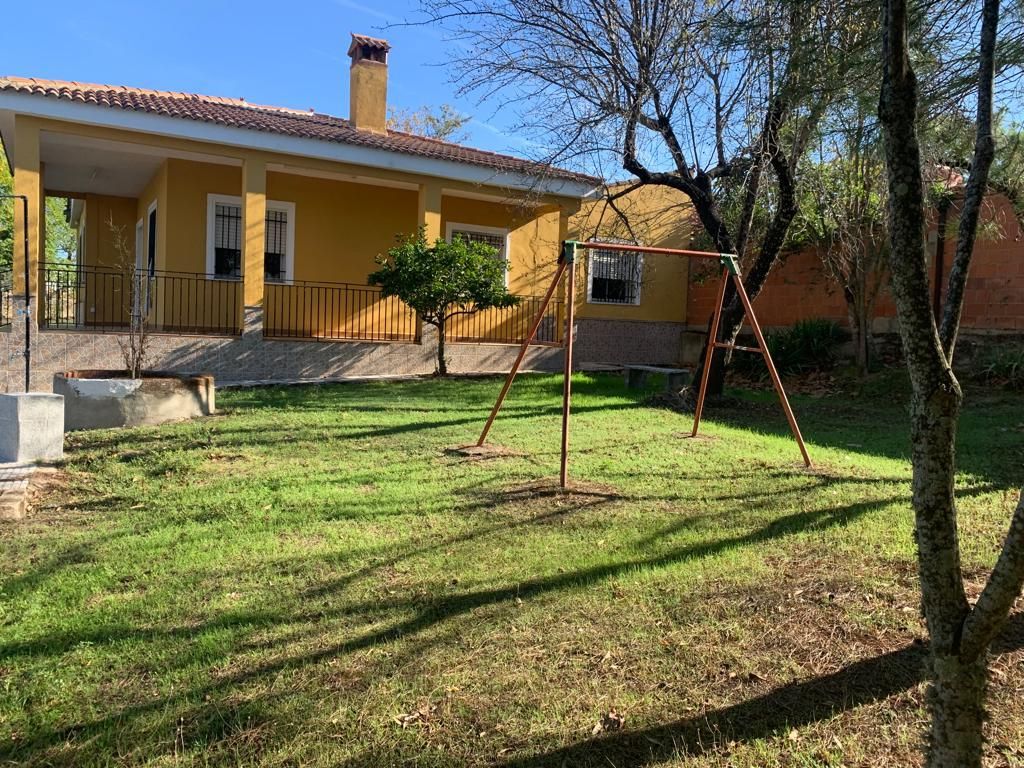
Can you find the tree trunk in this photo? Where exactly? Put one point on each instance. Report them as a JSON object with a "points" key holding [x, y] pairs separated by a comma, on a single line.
{"points": [[957, 698], [958, 652], [442, 364]]}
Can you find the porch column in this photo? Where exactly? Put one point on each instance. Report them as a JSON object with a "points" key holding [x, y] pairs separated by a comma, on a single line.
{"points": [[254, 224], [28, 181], [430, 211]]}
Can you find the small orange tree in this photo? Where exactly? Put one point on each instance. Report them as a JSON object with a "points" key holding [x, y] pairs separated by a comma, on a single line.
{"points": [[443, 280]]}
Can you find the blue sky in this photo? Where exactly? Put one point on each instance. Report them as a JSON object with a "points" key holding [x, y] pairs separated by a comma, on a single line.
{"points": [[282, 53]]}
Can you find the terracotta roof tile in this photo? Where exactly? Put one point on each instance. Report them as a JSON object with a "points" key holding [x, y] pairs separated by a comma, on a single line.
{"points": [[238, 113], [371, 42]]}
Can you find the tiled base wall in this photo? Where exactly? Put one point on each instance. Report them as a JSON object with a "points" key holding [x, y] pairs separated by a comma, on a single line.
{"points": [[251, 357], [629, 341]]}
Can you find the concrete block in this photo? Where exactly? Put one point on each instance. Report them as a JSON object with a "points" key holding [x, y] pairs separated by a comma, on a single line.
{"points": [[31, 427]]}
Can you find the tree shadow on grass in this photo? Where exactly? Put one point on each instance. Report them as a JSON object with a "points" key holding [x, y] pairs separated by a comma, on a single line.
{"points": [[789, 706], [427, 613], [987, 444]]}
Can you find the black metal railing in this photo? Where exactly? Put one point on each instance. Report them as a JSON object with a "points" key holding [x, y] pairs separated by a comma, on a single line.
{"points": [[104, 299], [335, 312], [6, 307], [509, 325]]}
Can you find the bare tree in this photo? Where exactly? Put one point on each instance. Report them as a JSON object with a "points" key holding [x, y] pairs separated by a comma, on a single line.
{"points": [[689, 95], [444, 123], [134, 342], [960, 633]]}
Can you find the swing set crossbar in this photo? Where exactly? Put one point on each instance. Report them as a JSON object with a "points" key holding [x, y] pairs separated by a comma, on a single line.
{"points": [[566, 269]]}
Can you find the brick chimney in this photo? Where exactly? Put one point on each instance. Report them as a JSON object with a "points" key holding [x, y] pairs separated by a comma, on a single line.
{"points": [[368, 83]]}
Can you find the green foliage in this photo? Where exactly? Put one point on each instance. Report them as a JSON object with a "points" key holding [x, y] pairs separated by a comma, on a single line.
{"points": [[61, 238], [444, 123], [443, 279], [809, 345], [6, 214], [1002, 366]]}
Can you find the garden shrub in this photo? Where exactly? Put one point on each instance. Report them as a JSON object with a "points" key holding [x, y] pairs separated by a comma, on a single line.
{"points": [[809, 345], [1002, 366]]}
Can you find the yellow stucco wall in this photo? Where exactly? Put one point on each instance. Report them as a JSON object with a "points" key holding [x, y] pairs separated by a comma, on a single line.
{"points": [[155, 191], [188, 185], [368, 90], [533, 237], [341, 226], [100, 213], [659, 217]]}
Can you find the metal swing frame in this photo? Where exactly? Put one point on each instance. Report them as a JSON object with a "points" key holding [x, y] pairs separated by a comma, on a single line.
{"points": [[567, 269]]}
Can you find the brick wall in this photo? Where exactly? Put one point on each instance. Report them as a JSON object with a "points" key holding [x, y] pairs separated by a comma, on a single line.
{"points": [[799, 288]]}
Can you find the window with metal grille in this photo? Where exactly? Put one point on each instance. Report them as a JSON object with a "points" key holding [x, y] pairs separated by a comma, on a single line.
{"points": [[496, 238], [276, 249], [495, 241], [614, 277], [227, 242]]}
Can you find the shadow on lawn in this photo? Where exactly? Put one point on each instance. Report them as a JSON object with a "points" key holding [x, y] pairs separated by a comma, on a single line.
{"points": [[427, 613], [989, 441], [789, 706]]}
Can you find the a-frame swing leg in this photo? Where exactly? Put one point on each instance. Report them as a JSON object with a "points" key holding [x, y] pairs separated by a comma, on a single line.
{"points": [[709, 352], [570, 321], [730, 270], [523, 349], [756, 328]]}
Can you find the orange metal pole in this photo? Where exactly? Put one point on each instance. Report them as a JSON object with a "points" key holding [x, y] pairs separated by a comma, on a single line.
{"points": [[522, 351], [756, 327], [570, 314], [709, 352], [645, 249]]}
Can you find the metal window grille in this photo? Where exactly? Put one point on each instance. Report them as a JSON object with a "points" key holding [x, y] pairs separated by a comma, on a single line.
{"points": [[495, 241], [615, 277], [276, 245], [227, 240]]}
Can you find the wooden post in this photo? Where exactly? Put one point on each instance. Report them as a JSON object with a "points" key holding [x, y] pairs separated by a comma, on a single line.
{"points": [[522, 350], [569, 255]]}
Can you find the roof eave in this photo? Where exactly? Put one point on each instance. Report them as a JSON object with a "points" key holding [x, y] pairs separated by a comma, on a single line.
{"points": [[244, 138]]}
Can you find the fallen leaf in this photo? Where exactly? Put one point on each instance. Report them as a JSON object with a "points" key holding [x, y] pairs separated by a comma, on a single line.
{"points": [[610, 721]]}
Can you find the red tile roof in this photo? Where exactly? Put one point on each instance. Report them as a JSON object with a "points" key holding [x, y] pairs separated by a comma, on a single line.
{"points": [[238, 113], [370, 42]]}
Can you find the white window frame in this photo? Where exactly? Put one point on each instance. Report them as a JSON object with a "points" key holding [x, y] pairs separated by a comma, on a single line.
{"points": [[590, 277], [140, 245], [212, 200], [451, 226]]}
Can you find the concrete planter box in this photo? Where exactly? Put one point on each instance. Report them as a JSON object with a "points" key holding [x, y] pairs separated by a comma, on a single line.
{"points": [[104, 399], [31, 427]]}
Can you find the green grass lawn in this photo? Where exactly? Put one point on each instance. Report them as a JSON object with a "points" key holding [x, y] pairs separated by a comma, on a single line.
{"points": [[311, 579]]}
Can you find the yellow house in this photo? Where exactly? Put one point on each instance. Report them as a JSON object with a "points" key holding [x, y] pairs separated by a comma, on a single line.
{"points": [[255, 228]]}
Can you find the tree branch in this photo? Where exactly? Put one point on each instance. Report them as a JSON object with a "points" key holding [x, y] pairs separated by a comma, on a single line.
{"points": [[1000, 592], [977, 184]]}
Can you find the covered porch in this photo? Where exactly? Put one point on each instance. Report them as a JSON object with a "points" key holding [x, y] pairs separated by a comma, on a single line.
{"points": [[190, 241]]}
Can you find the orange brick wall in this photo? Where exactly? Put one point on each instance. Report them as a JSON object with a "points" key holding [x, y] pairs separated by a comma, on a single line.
{"points": [[799, 288]]}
